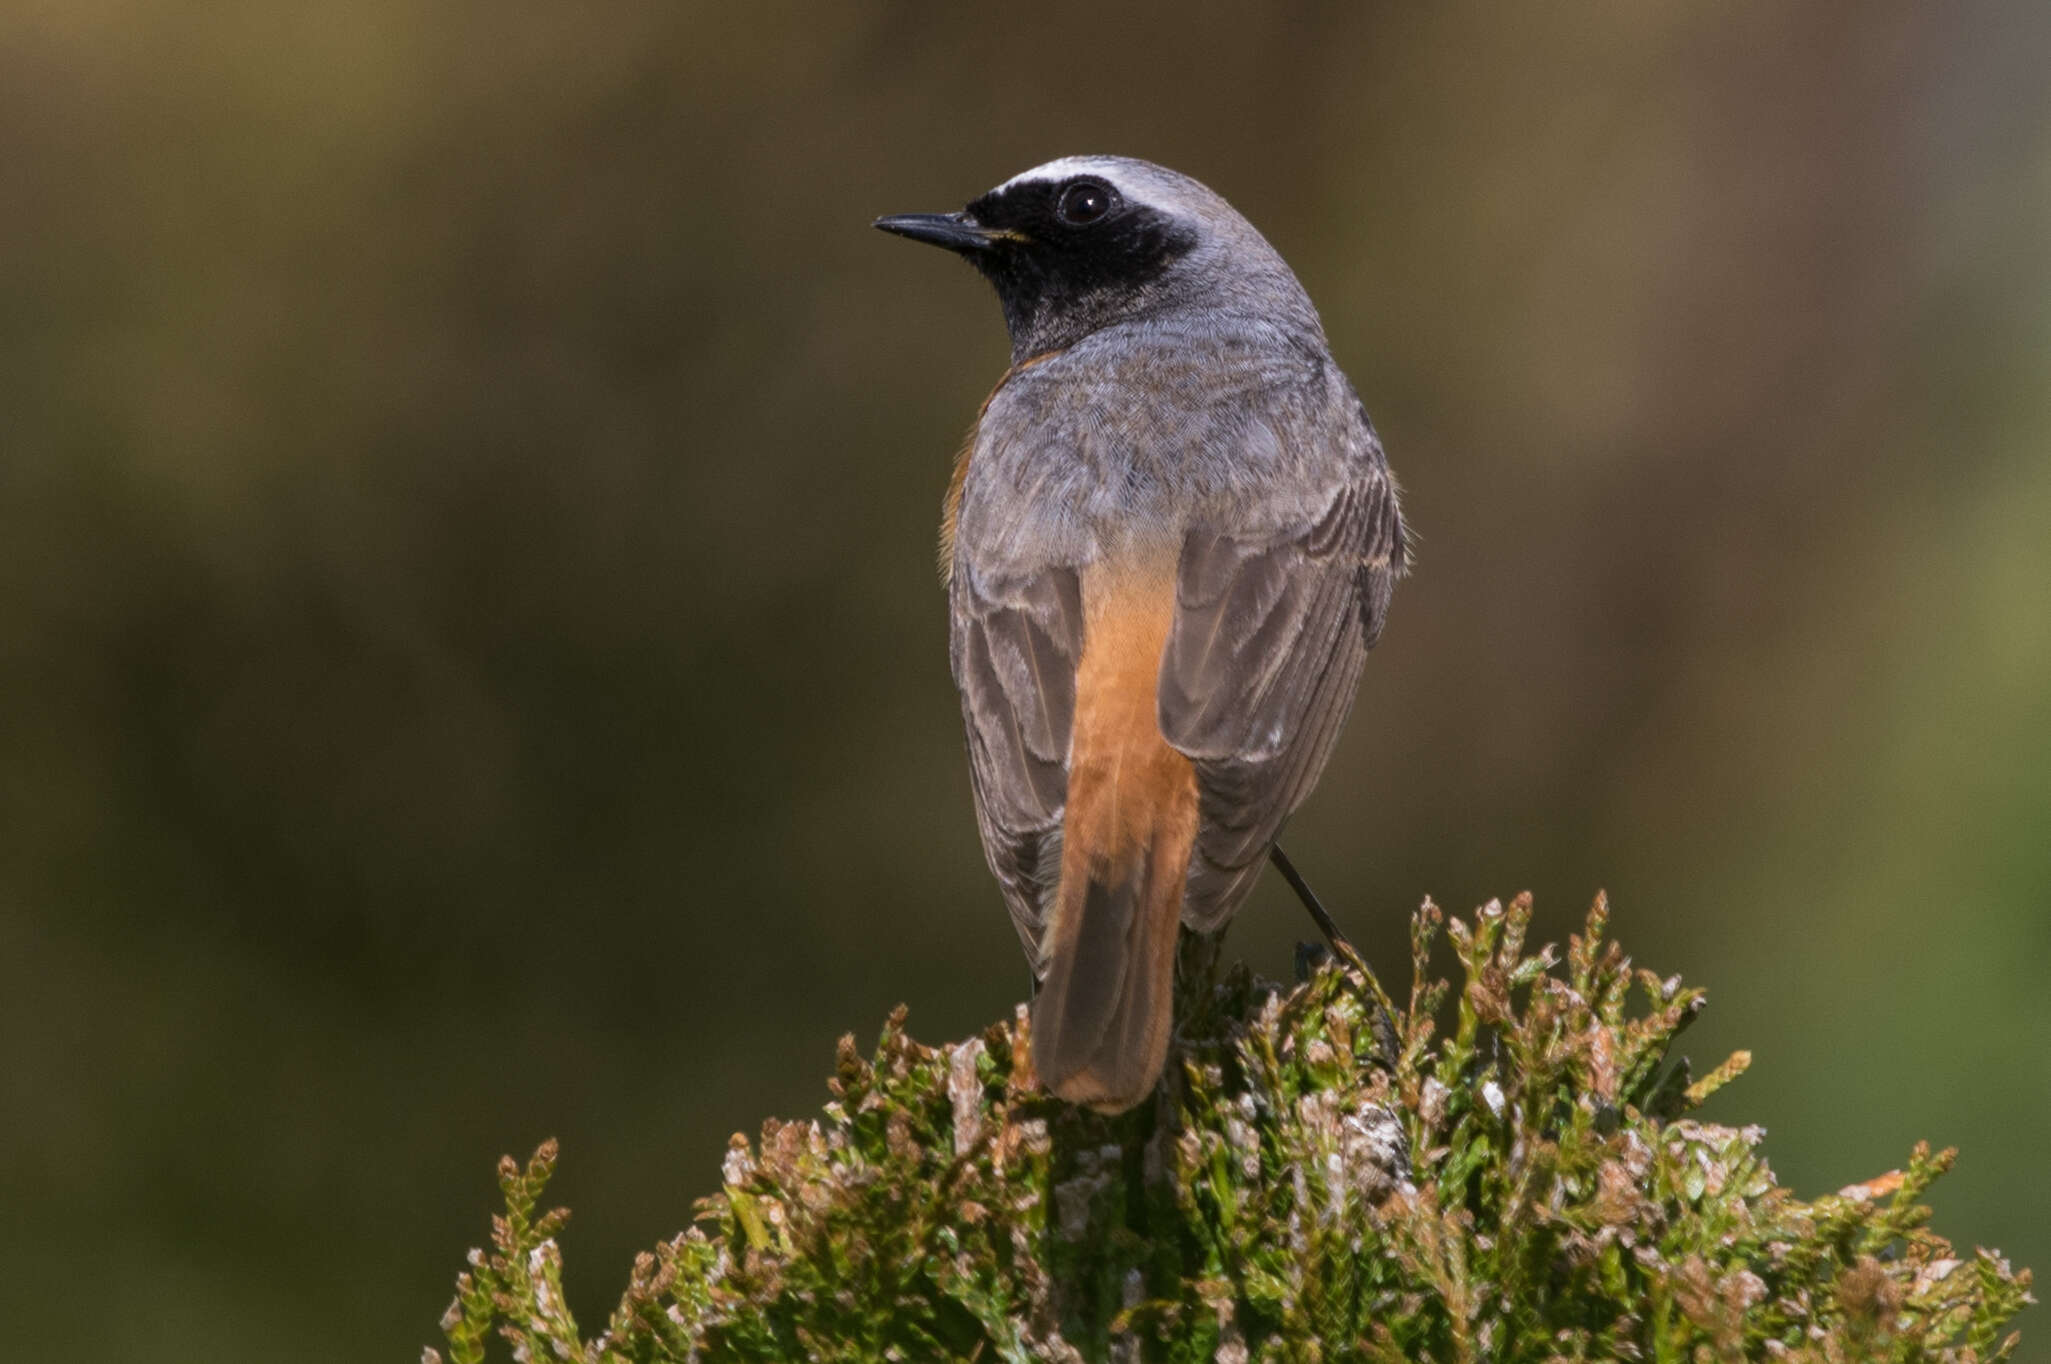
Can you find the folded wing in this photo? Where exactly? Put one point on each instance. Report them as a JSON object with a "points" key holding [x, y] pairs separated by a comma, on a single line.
{"points": [[1268, 639], [1016, 642]]}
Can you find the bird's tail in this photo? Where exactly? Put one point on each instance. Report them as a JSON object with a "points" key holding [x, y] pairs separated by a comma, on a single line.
{"points": [[1102, 1019]]}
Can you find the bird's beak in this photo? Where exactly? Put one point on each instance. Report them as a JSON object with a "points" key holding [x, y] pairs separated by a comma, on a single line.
{"points": [[955, 231]]}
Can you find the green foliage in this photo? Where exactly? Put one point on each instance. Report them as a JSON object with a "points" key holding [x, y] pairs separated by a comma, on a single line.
{"points": [[1308, 1187]]}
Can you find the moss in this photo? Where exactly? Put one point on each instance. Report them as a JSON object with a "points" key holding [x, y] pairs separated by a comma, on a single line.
{"points": [[1523, 1186]]}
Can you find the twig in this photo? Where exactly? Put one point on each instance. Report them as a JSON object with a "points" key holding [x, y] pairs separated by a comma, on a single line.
{"points": [[1342, 947]]}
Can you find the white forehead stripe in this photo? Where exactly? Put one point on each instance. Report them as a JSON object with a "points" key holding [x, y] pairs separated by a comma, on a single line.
{"points": [[1064, 168]]}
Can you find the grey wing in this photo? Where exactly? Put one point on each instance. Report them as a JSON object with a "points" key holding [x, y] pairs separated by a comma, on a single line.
{"points": [[1015, 644], [1269, 637]]}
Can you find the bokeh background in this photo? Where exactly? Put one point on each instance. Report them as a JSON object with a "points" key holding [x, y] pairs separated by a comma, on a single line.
{"points": [[473, 668]]}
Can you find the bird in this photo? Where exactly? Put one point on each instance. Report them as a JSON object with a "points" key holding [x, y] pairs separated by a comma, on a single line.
{"points": [[1168, 544]]}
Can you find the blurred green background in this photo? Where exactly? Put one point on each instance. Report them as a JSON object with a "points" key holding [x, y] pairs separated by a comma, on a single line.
{"points": [[471, 666]]}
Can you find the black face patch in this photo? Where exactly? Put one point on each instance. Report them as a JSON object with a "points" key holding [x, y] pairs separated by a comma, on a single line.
{"points": [[1060, 278]]}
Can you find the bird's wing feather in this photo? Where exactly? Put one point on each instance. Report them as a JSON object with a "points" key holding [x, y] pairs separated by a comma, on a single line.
{"points": [[1269, 635], [1015, 644]]}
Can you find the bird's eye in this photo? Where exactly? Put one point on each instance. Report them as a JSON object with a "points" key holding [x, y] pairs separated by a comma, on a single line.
{"points": [[1085, 201]]}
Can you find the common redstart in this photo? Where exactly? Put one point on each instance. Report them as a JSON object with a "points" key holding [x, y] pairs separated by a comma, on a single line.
{"points": [[1168, 545]]}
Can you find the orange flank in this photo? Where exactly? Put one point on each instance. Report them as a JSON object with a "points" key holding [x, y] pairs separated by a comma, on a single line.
{"points": [[950, 506], [1128, 791]]}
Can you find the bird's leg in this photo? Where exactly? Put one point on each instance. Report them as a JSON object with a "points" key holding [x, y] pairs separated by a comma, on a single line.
{"points": [[1384, 1013]]}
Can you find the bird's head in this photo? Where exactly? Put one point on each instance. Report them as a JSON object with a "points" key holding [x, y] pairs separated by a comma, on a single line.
{"points": [[1089, 242]]}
